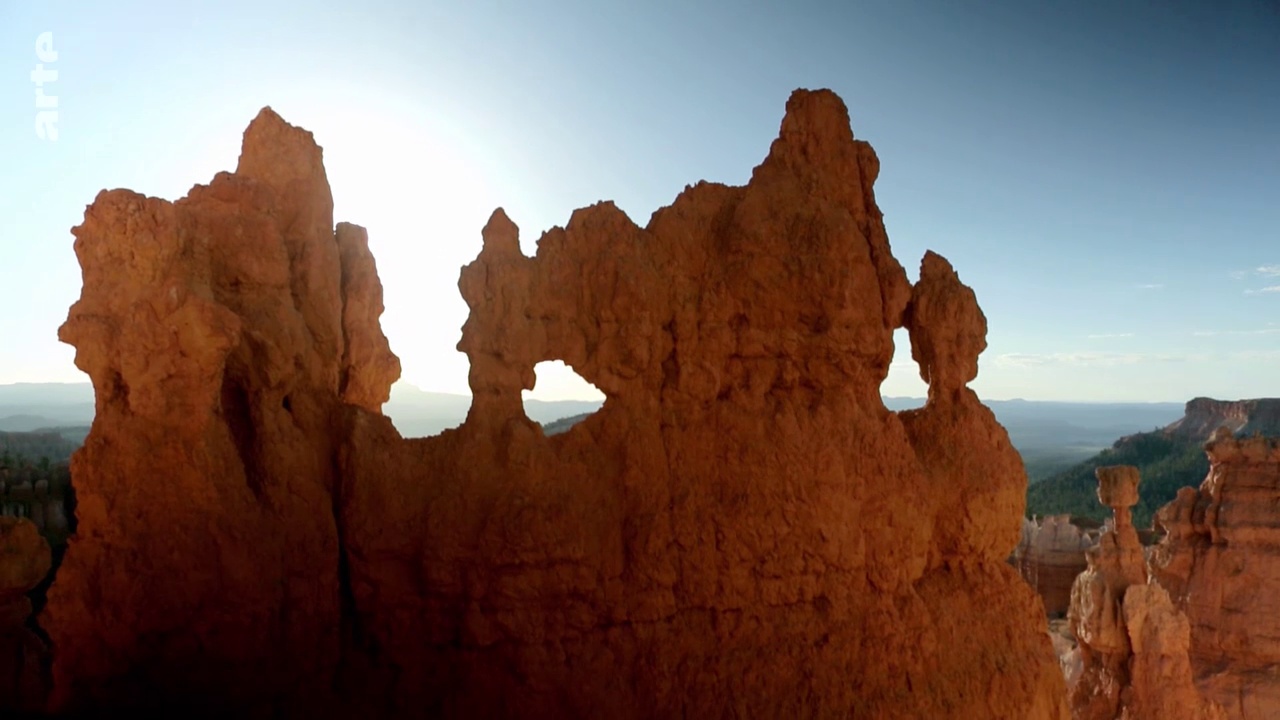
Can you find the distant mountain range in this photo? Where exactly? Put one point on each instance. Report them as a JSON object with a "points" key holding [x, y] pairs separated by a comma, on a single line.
{"points": [[38, 406], [418, 413], [1169, 458], [1050, 435]]}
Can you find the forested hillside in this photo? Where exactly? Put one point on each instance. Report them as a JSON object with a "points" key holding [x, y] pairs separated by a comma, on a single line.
{"points": [[56, 444], [1166, 462], [1169, 458]]}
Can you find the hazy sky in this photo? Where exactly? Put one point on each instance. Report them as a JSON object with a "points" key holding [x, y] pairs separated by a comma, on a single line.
{"points": [[1106, 175]]}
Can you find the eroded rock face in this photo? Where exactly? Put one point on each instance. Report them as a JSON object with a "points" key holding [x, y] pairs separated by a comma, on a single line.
{"points": [[742, 530], [1133, 642], [221, 333], [1220, 566]]}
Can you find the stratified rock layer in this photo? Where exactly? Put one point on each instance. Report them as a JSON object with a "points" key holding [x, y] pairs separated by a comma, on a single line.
{"points": [[742, 530], [1221, 566], [1204, 416]]}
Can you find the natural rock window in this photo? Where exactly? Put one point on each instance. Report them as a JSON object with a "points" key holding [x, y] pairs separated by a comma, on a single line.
{"points": [[903, 387], [560, 398]]}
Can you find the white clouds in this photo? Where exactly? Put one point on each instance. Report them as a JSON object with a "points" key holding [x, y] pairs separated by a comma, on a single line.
{"points": [[1022, 360], [1082, 359], [1213, 333], [1107, 359], [1108, 336], [1264, 271], [1150, 286], [1267, 355]]}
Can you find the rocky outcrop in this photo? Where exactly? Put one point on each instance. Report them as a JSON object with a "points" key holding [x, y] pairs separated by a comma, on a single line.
{"points": [[1133, 642], [1204, 416], [743, 529], [24, 562], [1220, 565], [1049, 556]]}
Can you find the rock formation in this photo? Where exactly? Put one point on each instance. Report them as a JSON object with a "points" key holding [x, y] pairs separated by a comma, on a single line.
{"points": [[1204, 416], [1220, 565], [1050, 555], [1133, 642], [222, 333], [24, 561], [742, 530]]}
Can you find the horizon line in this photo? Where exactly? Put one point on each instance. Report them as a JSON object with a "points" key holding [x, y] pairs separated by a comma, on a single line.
{"points": [[883, 397]]}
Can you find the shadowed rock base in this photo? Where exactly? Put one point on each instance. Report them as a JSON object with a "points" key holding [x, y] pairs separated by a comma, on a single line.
{"points": [[24, 561]]}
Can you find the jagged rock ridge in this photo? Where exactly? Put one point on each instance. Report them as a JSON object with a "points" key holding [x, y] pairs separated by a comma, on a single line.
{"points": [[742, 529]]}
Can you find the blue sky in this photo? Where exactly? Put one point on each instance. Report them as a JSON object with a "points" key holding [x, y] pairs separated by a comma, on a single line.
{"points": [[1105, 175]]}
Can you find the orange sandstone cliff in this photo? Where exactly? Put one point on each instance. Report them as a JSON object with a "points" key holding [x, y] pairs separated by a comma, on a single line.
{"points": [[742, 530], [1219, 563], [1204, 416]]}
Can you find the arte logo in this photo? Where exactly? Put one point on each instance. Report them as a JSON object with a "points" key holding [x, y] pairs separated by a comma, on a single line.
{"points": [[46, 104]]}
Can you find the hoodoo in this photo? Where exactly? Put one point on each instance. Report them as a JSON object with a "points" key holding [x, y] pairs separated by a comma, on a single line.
{"points": [[1133, 640]]}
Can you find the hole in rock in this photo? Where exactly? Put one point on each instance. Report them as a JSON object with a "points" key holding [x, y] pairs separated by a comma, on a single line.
{"points": [[903, 389], [560, 397], [419, 413]]}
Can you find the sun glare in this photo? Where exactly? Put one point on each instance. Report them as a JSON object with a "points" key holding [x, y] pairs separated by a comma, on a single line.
{"points": [[407, 178]]}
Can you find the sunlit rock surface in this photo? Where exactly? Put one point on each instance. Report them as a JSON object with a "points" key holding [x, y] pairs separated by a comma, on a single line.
{"points": [[1133, 642], [1221, 565]]}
